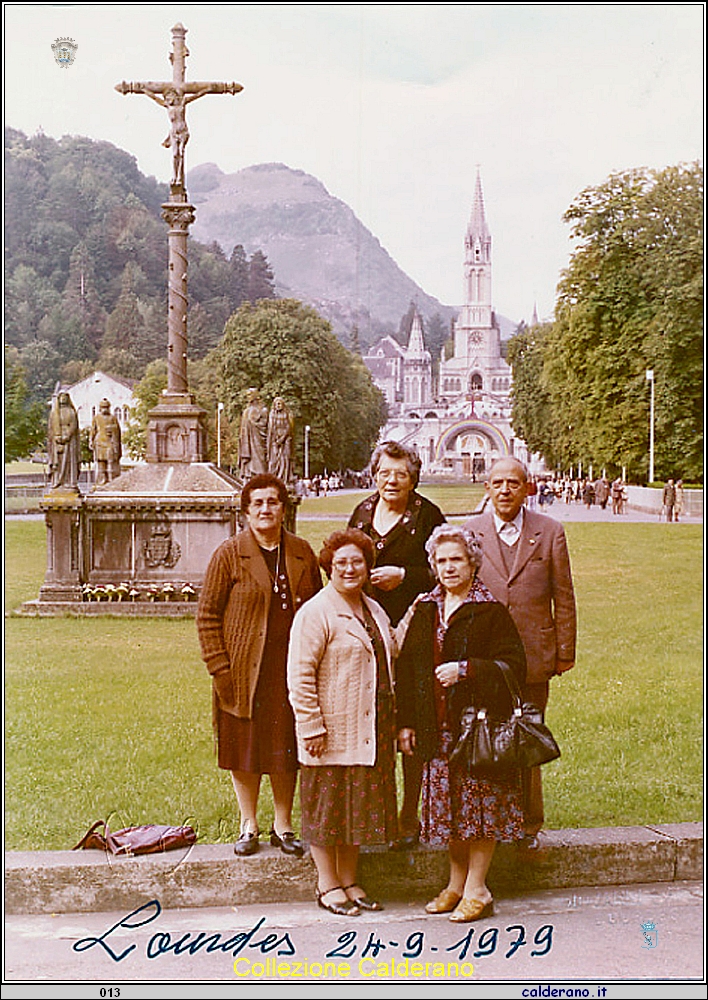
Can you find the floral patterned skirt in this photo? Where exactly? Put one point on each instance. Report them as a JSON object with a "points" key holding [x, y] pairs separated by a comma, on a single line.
{"points": [[457, 807], [349, 804]]}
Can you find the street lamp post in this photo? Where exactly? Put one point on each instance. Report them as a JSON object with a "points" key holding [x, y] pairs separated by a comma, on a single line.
{"points": [[307, 451], [650, 379], [219, 411]]}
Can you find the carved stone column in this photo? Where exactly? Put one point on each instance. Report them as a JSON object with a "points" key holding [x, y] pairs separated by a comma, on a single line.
{"points": [[176, 430]]}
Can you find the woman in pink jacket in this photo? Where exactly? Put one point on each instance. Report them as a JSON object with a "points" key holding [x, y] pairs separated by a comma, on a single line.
{"points": [[341, 688]]}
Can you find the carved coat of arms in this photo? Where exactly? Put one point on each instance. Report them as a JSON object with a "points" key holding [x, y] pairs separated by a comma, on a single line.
{"points": [[160, 549], [64, 50]]}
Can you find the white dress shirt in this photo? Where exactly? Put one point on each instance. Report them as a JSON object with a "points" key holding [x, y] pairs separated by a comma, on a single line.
{"points": [[509, 531]]}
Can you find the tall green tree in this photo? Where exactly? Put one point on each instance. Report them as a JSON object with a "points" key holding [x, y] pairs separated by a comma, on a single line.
{"points": [[437, 332], [25, 421], [261, 282], [532, 413], [406, 323], [630, 300], [238, 265], [286, 349]]}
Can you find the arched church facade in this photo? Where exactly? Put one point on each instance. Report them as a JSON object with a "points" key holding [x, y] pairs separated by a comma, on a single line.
{"points": [[460, 421]]}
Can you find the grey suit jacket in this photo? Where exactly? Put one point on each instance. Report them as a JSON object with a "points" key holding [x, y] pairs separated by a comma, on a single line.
{"points": [[538, 592]]}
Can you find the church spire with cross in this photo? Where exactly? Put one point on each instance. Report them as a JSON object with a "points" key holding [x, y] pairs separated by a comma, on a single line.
{"points": [[477, 308], [477, 231]]}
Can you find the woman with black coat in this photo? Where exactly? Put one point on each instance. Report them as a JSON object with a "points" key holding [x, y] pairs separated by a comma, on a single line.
{"points": [[455, 636]]}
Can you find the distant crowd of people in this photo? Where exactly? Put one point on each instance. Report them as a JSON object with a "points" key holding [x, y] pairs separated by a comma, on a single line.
{"points": [[591, 492], [544, 491], [323, 485]]}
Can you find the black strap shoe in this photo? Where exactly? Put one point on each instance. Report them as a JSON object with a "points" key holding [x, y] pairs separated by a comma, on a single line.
{"points": [[364, 902], [246, 844], [288, 843], [346, 908]]}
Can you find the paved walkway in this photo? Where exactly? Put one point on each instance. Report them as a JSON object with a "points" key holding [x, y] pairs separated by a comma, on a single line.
{"points": [[601, 905], [596, 515], [585, 936], [560, 510]]}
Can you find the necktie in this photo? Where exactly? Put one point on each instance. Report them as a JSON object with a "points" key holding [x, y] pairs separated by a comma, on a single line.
{"points": [[509, 533]]}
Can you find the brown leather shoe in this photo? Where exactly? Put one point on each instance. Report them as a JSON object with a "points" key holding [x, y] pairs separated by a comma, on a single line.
{"points": [[246, 844]]}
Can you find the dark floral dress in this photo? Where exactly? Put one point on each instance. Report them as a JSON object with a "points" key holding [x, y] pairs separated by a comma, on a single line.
{"points": [[455, 806]]}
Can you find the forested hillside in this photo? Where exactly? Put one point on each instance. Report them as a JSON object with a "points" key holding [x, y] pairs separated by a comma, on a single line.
{"points": [[85, 265]]}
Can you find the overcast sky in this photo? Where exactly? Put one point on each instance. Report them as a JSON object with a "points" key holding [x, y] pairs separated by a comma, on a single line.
{"points": [[392, 107]]}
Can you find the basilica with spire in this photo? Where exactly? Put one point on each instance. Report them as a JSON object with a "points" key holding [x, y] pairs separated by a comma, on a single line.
{"points": [[456, 414]]}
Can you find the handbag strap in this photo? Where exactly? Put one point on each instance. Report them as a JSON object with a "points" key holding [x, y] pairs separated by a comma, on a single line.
{"points": [[92, 833], [511, 682]]}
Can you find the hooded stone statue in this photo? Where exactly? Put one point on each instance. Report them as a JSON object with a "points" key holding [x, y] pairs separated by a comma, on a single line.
{"points": [[63, 446], [280, 441]]}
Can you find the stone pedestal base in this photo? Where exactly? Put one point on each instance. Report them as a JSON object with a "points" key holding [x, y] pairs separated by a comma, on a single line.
{"points": [[176, 431], [62, 511], [139, 544]]}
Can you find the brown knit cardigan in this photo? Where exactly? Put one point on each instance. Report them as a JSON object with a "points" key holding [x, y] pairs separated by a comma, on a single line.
{"points": [[232, 616]]}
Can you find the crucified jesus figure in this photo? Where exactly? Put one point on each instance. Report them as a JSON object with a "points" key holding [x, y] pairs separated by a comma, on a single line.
{"points": [[175, 96], [178, 136]]}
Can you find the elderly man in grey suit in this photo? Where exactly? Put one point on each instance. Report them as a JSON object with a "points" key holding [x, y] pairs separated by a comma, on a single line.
{"points": [[526, 567]]}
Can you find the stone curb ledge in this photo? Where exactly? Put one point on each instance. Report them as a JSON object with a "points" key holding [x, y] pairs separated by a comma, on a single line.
{"points": [[210, 875], [105, 609]]}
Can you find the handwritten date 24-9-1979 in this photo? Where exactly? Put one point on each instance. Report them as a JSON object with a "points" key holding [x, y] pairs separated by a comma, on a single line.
{"points": [[348, 945]]}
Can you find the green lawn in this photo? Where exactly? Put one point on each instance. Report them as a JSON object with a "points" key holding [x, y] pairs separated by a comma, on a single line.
{"points": [[110, 718], [22, 468], [460, 499]]}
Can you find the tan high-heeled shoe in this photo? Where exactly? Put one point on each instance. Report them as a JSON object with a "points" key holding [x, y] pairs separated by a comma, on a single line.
{"points": [[468, 910], [444, 902]]}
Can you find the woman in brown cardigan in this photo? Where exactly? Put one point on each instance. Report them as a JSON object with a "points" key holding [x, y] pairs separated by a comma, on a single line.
{"points": [[254, 584], [341, 688]]}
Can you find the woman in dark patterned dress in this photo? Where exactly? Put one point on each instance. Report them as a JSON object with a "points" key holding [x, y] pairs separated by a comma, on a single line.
{"points": [[455, 634], [341, 688]]}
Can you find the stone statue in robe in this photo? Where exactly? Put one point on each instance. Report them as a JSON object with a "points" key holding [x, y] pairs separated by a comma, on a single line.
{"points": [[105, 443], [63, 445], [252, 437], [280, 441]]}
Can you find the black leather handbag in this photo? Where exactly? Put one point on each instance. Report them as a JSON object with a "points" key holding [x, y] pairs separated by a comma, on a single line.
{"points": [[495, 748]]}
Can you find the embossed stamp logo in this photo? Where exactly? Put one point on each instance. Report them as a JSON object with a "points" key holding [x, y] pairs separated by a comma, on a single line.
{"points": [[64, 50], [651, 934]]}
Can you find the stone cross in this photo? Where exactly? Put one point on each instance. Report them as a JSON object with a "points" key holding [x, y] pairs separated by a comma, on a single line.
{"points": [[175, 95]]}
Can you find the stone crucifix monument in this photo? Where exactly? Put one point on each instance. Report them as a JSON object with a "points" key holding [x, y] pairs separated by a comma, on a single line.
{"points": [[176, 425], [150, 531]]}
